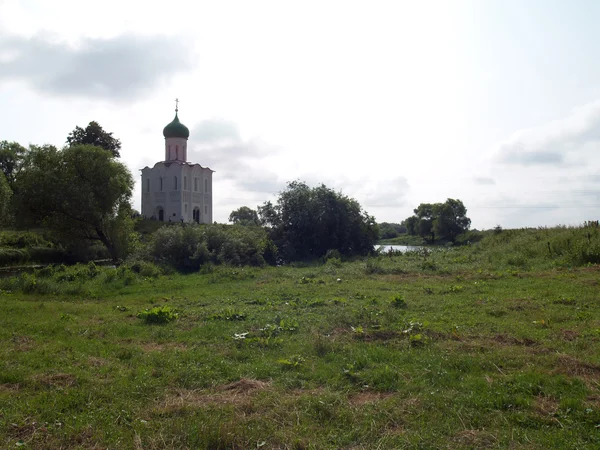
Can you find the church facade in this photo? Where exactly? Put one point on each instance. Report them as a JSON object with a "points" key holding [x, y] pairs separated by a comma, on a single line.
{"points": [[175, 190]]}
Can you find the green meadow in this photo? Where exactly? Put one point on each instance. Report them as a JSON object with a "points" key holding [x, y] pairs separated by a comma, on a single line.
{"points": [[490, 345]]}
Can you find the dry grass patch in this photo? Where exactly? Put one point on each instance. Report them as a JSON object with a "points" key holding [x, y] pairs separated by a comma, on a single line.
{"points": [[56, 380], [475, 439], [22, 343], [367, 397], [546, 406], [167, 346], [94, 361], [238, 393]]}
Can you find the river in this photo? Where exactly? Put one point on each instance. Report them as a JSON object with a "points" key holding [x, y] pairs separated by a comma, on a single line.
{"points": [[397, 248]]}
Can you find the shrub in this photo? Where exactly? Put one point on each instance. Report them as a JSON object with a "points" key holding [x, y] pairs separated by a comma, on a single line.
{"points": [[158, 315], [145, 269], [191, 247], [398, 301]]}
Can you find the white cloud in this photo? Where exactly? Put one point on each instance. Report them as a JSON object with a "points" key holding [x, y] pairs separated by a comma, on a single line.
{"points": [[574, 139], [119, 69]]}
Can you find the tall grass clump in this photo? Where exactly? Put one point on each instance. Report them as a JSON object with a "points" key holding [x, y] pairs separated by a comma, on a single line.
{"points": [[542, 247]]}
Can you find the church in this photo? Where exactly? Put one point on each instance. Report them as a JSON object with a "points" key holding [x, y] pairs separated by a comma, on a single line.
{"points": [[175, 190]]}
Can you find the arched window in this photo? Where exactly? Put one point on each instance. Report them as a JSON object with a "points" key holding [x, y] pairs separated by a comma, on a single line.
{"points": [[174, 183]]}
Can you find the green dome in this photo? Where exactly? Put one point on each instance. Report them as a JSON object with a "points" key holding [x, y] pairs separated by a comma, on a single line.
{"points": [[176, 129]]}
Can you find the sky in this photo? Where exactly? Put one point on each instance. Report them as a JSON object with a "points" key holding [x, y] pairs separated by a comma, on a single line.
{"points": [[394, 103]]}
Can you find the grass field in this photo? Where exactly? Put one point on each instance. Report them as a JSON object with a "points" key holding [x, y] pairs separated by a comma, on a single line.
{"points": [[442, 349]]}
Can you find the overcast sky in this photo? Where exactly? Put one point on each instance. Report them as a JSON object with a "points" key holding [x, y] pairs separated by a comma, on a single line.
{"points": [[395, 103]]}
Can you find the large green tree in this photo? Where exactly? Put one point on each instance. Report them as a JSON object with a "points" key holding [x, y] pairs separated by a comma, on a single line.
{"points": [[94, 134], [451, 219], [439, 220], [81, 192], [307, 222], [244, 216]]}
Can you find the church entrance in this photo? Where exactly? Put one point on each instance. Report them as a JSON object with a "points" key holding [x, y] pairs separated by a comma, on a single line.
{"points": [[161, 214], [196, 215]]}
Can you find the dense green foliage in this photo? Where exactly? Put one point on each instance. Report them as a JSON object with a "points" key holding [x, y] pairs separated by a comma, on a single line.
{"points": [[439, 220], [81, 193], [391, 230], [244, 216], [459, 348], [95, 135], [5, 196], [187, 248], [307, 222]]}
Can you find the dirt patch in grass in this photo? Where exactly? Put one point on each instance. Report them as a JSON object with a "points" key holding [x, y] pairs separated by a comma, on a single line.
{"points": [[507, 339], [569, 335], [9, 387], [56, 380], [571, 366]]}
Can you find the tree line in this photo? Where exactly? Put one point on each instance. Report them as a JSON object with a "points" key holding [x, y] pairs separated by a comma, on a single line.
{"points": [[82, 193]]}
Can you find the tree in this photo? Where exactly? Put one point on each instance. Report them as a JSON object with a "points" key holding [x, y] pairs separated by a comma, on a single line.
{"points": [[451, 219], [80, 192], [444, 220], [94, 134], [12, 155], [307, 222], [244, 216], [5, 195]]}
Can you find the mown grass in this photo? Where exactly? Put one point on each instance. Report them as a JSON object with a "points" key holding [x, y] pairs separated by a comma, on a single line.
{"points": [[456, 348]]}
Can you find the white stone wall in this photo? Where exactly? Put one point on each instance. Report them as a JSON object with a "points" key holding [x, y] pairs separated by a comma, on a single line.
{"points": [[192, 190]]}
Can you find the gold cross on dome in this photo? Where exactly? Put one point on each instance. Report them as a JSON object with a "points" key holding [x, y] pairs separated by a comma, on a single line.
{"points": [[176, 105]]}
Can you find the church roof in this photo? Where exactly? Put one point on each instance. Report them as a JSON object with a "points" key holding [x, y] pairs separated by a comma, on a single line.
{"points": [[176, 129], [179, 163]]}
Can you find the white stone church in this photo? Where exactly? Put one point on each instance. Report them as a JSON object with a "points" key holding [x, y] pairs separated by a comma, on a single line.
{"points": [[175, 190]]}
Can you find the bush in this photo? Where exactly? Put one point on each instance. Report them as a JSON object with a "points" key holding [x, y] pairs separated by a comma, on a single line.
{"points": [[191, 247], [398, 301], [158, 315], [145, 269]]}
